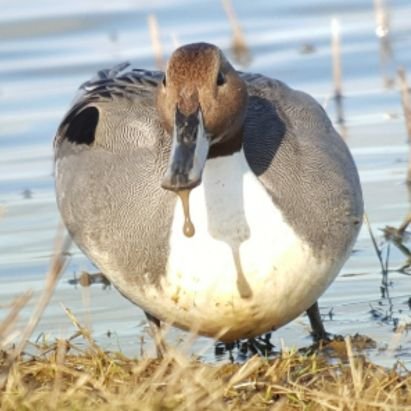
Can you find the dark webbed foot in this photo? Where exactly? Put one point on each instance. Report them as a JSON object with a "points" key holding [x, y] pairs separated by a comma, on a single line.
{"points": [[245, 348], [263, 346], [260, 345], [157, 335], [318, 331]]}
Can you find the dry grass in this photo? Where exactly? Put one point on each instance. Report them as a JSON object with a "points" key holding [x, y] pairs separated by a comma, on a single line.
{"points": [[66, 378], [57, 264]]}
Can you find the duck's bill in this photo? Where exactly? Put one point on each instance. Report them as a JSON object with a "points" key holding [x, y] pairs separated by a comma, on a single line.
{"points": [[188, 152]]}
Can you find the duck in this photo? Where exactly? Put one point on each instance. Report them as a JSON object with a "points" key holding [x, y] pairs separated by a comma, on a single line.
{"points": [[218, 201]]}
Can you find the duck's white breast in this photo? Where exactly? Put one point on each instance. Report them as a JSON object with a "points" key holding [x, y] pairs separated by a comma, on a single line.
{"points": [[245, 269]]}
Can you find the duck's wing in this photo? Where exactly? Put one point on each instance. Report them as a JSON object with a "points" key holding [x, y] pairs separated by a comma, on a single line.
{"points": [[305, 166], [120, 80], [107, 94]]}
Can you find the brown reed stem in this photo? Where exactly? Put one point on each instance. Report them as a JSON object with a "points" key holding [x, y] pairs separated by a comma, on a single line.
{"points": [[337, 71], [10, 319], [154, 30], [404, 224], [406, 106], [375, 245], [239, 48], [383, 33], [175, 40]]}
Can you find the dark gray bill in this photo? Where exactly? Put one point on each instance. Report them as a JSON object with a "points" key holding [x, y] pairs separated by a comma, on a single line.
{"points": [[188, 152]]}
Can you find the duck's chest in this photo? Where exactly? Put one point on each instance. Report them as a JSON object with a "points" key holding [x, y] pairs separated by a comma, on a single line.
{"points": [[240, 236], [244, 271]]}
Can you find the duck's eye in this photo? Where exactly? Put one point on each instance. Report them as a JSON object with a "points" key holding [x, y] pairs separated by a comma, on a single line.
{"points": [[220, 79], [164, 80]]}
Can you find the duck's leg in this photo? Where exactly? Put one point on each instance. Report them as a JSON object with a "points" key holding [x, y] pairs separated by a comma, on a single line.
{"points": [[156, 333], [317, 326]]}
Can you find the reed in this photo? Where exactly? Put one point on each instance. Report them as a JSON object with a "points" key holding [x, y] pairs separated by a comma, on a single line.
{"points": [[154, 30], [57, 265], [337, 70], [239, 48], [383, 31], [399, 238], [406, 106]]}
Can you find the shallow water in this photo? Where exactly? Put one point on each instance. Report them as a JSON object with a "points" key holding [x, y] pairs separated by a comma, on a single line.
{"points": [[47, 49]]}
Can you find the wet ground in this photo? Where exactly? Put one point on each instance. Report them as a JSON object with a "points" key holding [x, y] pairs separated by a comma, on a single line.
{"points": [[48, 49]]}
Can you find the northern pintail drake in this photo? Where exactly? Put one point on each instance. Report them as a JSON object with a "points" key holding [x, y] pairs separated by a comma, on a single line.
{"points": [[218, 201]]}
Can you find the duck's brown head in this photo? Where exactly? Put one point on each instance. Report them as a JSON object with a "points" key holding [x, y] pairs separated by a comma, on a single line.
{"points": [[202, 104]]}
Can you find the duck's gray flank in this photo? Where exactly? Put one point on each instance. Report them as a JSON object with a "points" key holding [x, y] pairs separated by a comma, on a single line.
{"points": [[303, 163]]}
